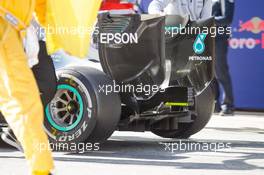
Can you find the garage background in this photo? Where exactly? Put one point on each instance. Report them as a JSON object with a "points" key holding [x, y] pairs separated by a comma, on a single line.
{"points": [[246, 56]]}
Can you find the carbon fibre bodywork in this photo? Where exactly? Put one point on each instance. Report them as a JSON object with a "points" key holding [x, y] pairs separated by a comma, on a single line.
{"points": [[130, 62], [144, 62], [179, 49]]}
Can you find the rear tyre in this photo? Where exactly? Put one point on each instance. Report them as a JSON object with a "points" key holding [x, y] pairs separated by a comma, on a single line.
{"points": [[204, 107], [80, 112]]}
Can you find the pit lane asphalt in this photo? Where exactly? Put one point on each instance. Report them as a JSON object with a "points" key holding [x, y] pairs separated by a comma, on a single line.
{"points": [[130, 153]]}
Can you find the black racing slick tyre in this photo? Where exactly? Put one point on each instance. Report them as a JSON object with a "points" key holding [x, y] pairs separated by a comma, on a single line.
{"points": [[204, 107], [80, 112]]}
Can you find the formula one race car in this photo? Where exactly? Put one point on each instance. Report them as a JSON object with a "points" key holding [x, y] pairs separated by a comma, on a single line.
{"points": [[153, 74]]}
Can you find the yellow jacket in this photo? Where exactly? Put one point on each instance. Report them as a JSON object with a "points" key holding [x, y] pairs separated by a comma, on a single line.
{"points": [[77, 22], [24, 9], [69, 25]]}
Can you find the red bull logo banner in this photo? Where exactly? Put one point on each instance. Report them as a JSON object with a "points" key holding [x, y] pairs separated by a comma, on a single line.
{"points": [[253, 26], [246, 52]]}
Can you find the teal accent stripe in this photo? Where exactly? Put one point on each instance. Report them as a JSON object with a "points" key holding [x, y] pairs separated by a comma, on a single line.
{"points": [[79, 117]]}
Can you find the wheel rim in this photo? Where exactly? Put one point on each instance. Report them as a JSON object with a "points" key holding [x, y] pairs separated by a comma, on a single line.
{"points": [[65, 111]]}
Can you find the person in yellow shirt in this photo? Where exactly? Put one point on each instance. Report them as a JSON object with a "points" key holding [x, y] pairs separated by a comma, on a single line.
{"points": [[20, 101], [19, 95]]}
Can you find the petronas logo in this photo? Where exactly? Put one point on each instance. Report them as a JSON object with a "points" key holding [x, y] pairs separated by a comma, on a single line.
{"points": [[199, 46]]}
